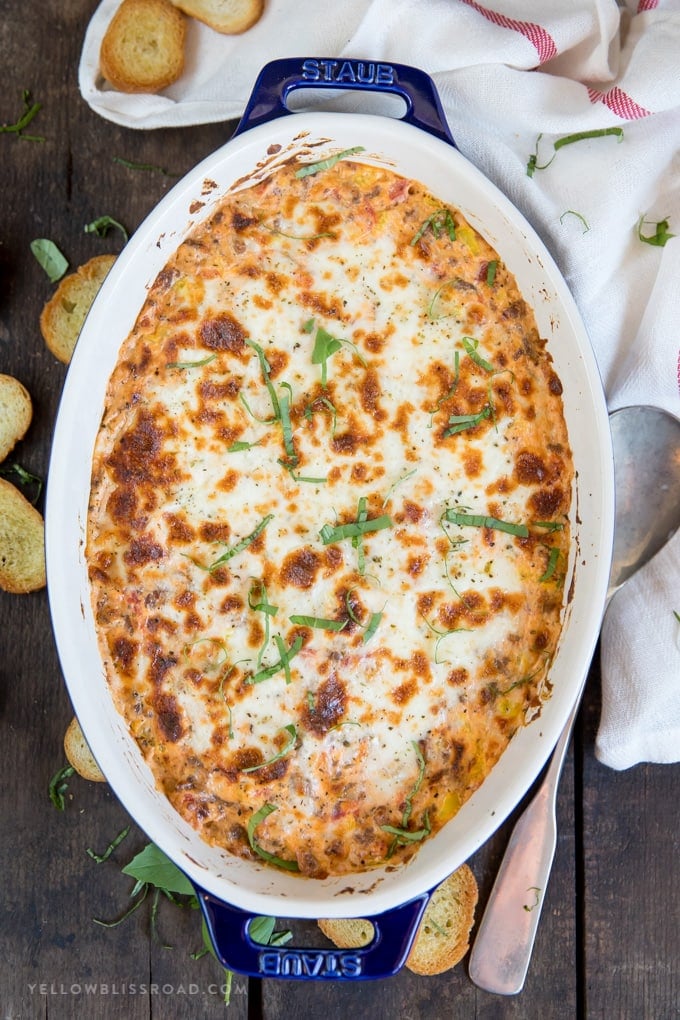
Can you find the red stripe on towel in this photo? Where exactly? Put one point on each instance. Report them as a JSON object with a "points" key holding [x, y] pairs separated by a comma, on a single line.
{"points": [[647, 5], [539, 38], [620, 103]]}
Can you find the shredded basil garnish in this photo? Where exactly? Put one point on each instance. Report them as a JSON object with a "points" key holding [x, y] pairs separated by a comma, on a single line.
{"points": [[393, 486], [401, 833], [549, 525], [319, 622], [352, 529], [482, 521], [461, 422], [266, 369], [103, 224], [578, 136], [240, 445], [661, 233], [292, 738], [59, 785], [435, 299], [100, 858], [437, 222], [253, 823], [326, 164], [242, 544], [471, 345], [262, 605], [286, 655], [191, 364], [152, 167], [571, 212], [286, 426], [25, 477], [325, 345], [552, 563], [405, 835], [30, 111]]}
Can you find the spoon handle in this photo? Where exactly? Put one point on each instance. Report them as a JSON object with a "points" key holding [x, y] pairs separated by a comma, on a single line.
{"points": [[502, 950]]}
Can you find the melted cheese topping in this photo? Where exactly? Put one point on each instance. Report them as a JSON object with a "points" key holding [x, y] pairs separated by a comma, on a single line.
{"points": [[328, 533]]}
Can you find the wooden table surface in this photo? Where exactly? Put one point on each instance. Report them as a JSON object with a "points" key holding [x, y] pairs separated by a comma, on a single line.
{"points": [[608, 944]]}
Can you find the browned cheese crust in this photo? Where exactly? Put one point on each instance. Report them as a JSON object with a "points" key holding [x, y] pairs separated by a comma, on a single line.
{"points": [[328, 532]]}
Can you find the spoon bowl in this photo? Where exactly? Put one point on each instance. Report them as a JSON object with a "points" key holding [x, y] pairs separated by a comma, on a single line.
{"points": [[646, 444], [646, 449]]}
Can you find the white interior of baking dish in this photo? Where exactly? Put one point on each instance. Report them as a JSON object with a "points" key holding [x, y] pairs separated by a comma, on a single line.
{"points": [[413, 153]]}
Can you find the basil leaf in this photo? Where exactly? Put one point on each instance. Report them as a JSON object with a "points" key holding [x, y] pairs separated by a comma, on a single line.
{"points": [[292, 735], [152, 867], [552, 563], [30, 111], [132, 165], [660, 236], [59, 785], [571, 212], [286, 655], [100, 858], [461, 422], [103, 224], [471, 345], [325, 345], [372, 627], [261, 929], [404, 835], [191, 364], [326, 164], [25, 477], [578, 136], [438, 221], [253, 823], [481, 521], [50, 258], [243, 544], [331, 534], [319, 622], [266, 369]]}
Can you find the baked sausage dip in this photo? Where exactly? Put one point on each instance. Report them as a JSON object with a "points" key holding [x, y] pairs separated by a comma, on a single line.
{"points": [[328, 533]]}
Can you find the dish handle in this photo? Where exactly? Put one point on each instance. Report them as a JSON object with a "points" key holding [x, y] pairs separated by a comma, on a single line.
{"points": [[279, 78], [228, 928]]}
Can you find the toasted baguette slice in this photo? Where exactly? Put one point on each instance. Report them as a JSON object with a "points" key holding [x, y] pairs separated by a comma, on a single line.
{"points": [[443, 936], [62, 318], [22, 542], [143, 46], [79, 754], [16, 411], [227, 16]]}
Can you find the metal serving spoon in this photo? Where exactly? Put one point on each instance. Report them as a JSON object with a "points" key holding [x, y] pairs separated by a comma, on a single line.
{"points": [[646, 444]]}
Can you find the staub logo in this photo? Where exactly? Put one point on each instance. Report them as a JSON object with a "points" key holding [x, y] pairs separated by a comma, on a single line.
{"points": [[353, 72], [310, 964]]}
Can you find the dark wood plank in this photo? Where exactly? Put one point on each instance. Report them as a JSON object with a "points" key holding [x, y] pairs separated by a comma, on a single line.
{"points": [[631, 851]]}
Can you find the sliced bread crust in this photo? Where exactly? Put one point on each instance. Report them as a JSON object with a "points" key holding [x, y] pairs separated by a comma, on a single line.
{"points": [[16, 411], [62, 318], [443, 936], [22, 542], [143, 46], [79, 754], [231, 17]]}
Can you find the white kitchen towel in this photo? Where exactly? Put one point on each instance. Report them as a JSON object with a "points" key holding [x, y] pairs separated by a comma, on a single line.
{"points": [[514, 76]]}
